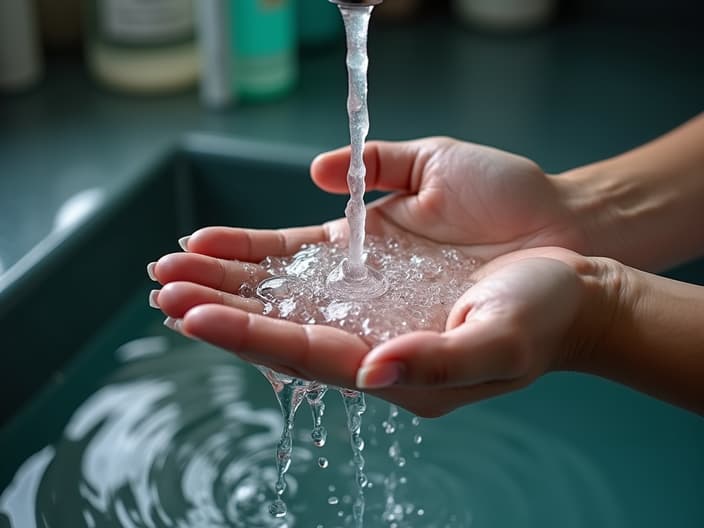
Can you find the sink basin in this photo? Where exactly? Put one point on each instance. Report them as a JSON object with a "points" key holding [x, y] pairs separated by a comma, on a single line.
{"points": [[108, 419]]}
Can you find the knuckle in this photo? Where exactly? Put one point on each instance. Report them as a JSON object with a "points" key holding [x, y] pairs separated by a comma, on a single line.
{"points": [[436, 375]]}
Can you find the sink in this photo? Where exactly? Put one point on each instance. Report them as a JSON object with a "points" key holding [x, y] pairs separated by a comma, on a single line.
{"points": [[93, 384]]}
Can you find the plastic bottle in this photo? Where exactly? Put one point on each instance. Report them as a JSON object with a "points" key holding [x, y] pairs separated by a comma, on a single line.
{"points": [[142, 46], [216, 75], [20, 61], [264, 48]]}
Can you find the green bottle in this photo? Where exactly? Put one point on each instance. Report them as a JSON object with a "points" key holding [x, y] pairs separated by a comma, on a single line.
{"points": [[264, 48]]}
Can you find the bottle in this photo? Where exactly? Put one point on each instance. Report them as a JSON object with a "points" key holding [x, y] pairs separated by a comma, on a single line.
{"points": [[264, 48], [20, 61], [142, 46], [216, 82]]}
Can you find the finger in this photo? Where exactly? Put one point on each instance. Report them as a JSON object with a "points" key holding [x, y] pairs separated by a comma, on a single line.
{"points": [[465, 356], [317, 352], [224, 275], [390, 166], [176, 298], [252, 245]]}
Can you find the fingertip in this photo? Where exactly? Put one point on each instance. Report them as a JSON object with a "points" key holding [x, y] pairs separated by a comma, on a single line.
{"points": [[329, 170], [379, 375], [202, 240], [214, 323]]}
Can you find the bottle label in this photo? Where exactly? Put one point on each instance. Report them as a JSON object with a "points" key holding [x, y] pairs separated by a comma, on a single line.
{"points": [[146, 21]]}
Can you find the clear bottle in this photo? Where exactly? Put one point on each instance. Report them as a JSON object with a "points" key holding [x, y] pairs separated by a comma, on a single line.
{"points": [[142, 46], [264, 48]]}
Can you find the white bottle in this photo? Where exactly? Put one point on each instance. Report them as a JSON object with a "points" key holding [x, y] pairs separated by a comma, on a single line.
{"points": [[142, 45], [20, 61], [505, 14], [216, 75]]}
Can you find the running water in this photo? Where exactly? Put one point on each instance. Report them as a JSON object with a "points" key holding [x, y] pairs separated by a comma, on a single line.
{"points": [[353, 278], [354, 295], [423, 281]]}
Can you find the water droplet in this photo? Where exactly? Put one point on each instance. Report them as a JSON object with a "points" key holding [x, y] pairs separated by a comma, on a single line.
{"points": [[278, 509], [415, 421], [420, 512], [323, 462], [332, 500], [417, 439], [319, 437]]}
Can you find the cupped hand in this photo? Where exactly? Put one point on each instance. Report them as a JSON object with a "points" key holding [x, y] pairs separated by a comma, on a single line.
{"points": [[521, 319], [483, 201]]}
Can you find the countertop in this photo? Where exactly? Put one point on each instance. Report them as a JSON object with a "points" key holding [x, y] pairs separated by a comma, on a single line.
{"points": [[564, 96]]}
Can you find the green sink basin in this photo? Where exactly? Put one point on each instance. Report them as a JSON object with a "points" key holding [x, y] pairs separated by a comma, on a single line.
{"points": [[109, 420]]}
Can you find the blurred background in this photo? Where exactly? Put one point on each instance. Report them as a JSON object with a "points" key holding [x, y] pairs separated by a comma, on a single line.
{"points": [[92, 92]]}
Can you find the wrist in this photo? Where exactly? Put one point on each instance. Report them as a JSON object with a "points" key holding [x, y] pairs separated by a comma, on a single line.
{"points": [[604, 283], [641, 330], [634, 207], [594, 195]]}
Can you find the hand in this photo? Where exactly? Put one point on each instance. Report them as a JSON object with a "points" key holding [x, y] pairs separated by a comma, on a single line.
{"points": [[483, 200], [522, 318]]}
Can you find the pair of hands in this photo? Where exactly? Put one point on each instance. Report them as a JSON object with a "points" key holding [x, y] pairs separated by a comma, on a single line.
{"points": [[524, 316]]}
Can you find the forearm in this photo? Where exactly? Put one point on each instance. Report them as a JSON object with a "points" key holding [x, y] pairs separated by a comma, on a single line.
{"points": [[653, 336], [645, 207]]}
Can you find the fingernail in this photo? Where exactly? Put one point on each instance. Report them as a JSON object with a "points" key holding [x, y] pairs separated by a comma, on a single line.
{"points": [[173, 324], [183, 242], [150, 271], [153, 299], [379, 375]]}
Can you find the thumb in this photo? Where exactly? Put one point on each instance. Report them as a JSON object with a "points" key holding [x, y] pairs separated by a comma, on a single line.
{"points": [[391, 166], [475, 352]]}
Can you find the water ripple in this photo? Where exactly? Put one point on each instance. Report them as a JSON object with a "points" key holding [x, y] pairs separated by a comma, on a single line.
{"points": [[171, 440]]}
